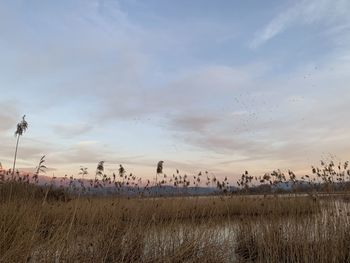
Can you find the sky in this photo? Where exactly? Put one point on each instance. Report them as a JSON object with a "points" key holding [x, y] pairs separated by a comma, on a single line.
{"points": [[223, 86]]}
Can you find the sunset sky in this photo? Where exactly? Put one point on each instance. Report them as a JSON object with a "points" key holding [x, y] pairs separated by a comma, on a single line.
{"points": [[223, 86]]}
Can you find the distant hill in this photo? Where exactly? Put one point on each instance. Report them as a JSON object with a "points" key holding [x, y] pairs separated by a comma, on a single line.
{"points": [[88, 186]]}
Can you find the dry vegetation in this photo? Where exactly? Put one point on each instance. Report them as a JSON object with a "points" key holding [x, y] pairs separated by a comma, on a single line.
{"points": [[67, 223], [44, 225]]}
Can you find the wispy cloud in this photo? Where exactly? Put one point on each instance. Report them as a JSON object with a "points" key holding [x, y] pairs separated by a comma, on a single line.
{"points": [[72, 130], [302, 13], [7, 120]]}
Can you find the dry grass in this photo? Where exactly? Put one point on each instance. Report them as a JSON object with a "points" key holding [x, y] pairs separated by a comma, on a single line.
{"points": [[309, 239], [35, 226]]}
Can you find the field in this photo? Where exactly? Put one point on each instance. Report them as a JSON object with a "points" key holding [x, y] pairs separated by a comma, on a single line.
{"points": [[37, 225]]}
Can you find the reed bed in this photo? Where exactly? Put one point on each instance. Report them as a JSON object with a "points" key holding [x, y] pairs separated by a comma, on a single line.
{"points": [[40, 228], [309, 239]]}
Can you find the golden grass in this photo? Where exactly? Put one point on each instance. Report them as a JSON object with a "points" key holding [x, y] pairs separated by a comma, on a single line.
{"points": [[43, 228]]}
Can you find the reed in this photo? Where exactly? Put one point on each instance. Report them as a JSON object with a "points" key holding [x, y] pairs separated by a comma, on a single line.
{"points": [[178, 229]]}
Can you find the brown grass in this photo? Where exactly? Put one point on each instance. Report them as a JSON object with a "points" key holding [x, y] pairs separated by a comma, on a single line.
{"points": [[35, 226]]}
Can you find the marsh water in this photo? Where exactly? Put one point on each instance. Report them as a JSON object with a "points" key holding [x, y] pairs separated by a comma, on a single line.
{"points": [[224, 234]]}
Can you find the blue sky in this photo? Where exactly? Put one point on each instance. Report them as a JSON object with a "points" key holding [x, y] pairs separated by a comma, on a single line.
{"points": [[224, 86]]}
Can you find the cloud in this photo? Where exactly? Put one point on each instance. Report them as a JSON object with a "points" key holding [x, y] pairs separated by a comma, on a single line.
{"points": [[330, 13], [29, 150], [72, 130], [81, 153], [8, 116], [84, 44], [7, 122], [192, 122], [284, 122], [193, 89]]}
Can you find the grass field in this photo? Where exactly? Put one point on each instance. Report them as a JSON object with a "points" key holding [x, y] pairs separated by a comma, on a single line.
{"points": [[37, 226]]}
